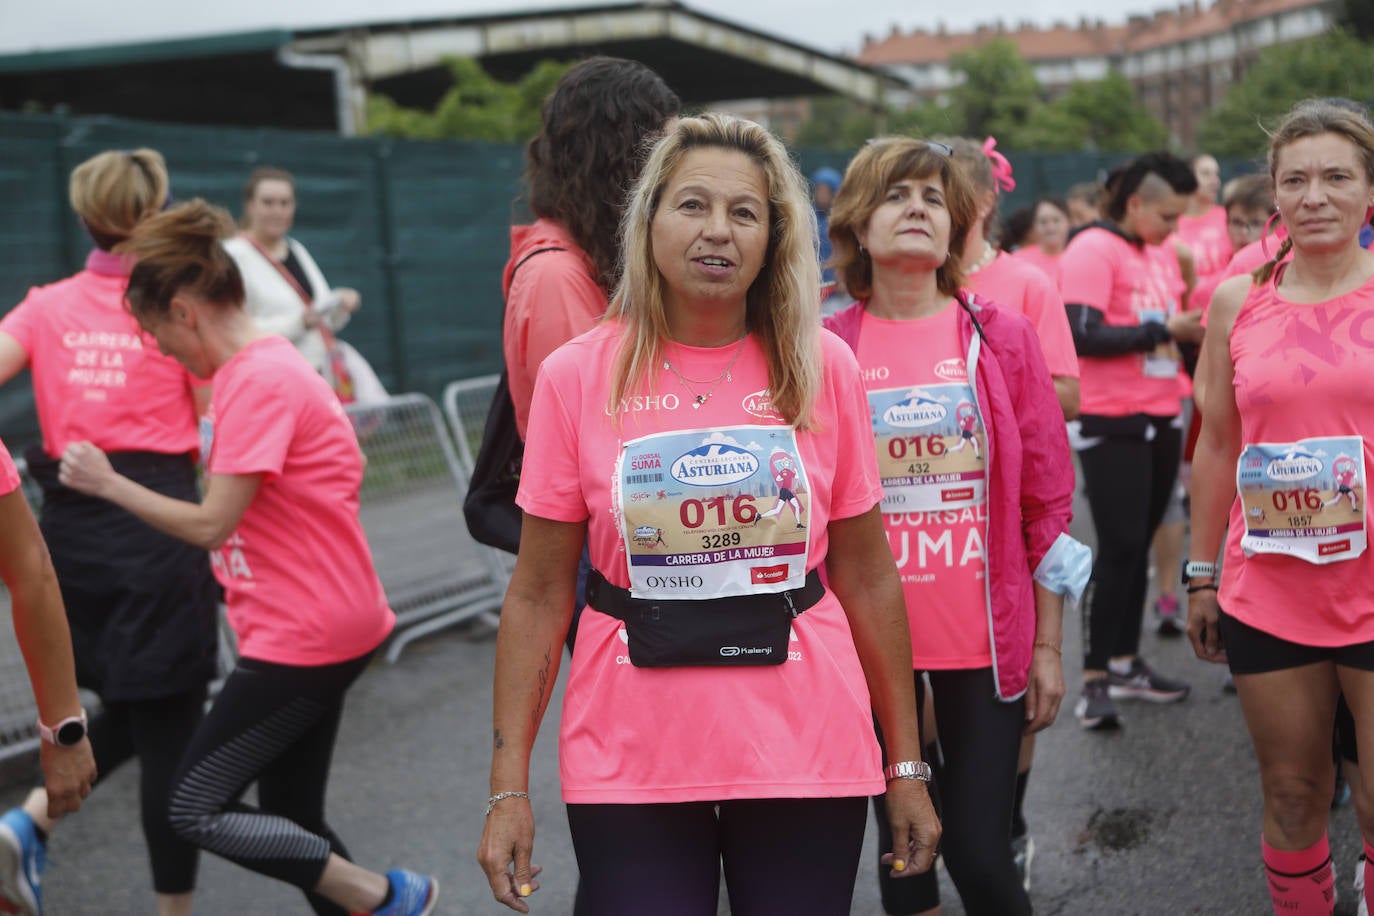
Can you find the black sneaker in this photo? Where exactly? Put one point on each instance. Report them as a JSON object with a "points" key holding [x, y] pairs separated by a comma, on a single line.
{"points": [[1144, 683], [1169, 616], [1095, 709]]}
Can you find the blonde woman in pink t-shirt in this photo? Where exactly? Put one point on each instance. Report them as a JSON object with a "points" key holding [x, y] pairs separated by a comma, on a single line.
{"points": [[280, 519], [719, 705], [1279, 476]]}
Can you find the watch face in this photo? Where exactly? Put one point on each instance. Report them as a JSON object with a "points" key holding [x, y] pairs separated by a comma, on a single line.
{"points": [[70, 733]]}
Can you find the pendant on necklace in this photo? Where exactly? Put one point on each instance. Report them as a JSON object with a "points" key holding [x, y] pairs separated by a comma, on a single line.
{"points": [[699, 400]]}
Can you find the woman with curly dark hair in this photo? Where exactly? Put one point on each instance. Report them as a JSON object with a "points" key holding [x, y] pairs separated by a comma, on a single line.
{"points": [[579, 168]]}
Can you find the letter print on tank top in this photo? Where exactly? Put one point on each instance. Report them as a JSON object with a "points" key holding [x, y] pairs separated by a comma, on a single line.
{"points": [[711, 513]]}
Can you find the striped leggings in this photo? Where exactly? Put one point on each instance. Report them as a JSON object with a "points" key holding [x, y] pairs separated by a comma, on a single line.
{"points": [[276, 725]]}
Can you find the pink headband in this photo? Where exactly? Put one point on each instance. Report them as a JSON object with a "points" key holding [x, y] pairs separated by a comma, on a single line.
{"points": [[1001, 168]]}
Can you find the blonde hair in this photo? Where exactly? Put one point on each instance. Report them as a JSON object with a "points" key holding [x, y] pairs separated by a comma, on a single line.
{"points": [[878, 166], [782, 304], [114, 190], [1309, 119]]}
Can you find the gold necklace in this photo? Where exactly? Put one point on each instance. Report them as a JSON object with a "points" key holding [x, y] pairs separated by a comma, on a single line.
{"points": [[725, 376]]}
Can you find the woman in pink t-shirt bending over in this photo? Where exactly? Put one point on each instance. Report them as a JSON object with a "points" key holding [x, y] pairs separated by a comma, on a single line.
{"points": [[718, 704], [1287, 424], [280, 518], [970, 527]]}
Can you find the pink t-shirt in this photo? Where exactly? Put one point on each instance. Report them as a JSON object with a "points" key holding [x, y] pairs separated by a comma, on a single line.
{"points": [[1129, 286], [1016, 285], [1207, 239], [9, 474], [1302, 371], [96, 376], [633, 735], [1034, 255], [940, 553], [297, 572]]}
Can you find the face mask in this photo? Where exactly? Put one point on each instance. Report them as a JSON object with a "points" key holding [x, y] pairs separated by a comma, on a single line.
{"points": [[1065, 567]]}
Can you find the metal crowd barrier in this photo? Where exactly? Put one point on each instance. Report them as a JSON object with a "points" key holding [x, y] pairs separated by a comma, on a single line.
{"points": [[435, 575]]}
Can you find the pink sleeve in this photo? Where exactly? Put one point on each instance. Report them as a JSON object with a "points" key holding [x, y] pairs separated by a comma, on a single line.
{"points": [[855, 488], [254, 426], [551, 476], [1045, 310], [19, 324], [1085, 273], [9, 474]]}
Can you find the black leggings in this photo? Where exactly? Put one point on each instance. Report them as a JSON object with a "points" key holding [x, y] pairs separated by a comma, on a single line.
{"points": [[980, 737], [1128, 481], [157, 732], [781, 855], [275, 724]]}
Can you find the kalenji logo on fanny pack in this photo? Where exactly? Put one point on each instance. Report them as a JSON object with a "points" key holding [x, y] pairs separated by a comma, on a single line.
{"points": [[765, 575], [1326, 550], [950, 496]]}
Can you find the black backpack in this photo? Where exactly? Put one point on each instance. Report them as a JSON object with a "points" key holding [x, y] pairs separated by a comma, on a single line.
{"points": [[493, 517]]}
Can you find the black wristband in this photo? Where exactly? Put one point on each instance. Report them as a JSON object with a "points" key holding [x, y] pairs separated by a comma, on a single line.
{"points": [[1192, 589]]}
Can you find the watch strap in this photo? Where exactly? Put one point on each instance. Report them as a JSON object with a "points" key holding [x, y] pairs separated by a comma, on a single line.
{"points": [[1196, 569], [52, 734], [908, 769]]}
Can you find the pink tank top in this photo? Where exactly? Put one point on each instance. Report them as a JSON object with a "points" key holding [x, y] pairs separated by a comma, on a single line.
{"points": [[1302, 373]]}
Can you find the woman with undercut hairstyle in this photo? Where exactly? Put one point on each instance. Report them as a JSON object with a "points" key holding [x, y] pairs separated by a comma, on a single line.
{"points": [[1127, 320]]}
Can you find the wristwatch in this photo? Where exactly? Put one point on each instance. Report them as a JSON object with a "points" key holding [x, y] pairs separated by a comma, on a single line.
{"points": [[908, 769], [66, 733], [1194, 569]]}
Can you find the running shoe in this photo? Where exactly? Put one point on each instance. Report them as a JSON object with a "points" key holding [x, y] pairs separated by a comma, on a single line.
{"points": [[1022, 851], [23, 857], [1142, 682], [1358, 884], [1095, 709], [1168, 616], [411, 894]]}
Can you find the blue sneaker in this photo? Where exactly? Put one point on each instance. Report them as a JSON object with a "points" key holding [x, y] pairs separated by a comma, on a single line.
{"points": [[411, 894], [22, 860]]}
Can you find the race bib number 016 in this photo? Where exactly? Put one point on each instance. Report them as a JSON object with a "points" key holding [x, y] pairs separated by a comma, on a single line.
{"points": [[1304, 499], [932, 449], [714, 513]]}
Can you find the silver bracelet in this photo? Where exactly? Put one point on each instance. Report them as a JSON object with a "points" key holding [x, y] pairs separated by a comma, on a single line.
{"points": [[491, 802]]}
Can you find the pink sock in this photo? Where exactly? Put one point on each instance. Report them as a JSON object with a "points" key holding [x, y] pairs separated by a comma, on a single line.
{"points": [[1369, 876], [1168, 604], [1300, 882]]}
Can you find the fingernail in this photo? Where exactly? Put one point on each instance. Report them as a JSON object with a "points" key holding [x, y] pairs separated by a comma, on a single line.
{"points": [[526, 890], [899, 865]]}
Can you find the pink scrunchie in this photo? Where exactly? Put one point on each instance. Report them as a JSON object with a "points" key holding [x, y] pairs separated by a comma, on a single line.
{"points": [[1001, 168]]}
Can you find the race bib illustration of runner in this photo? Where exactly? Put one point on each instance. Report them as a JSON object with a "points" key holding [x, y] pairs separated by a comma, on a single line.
{"points": [[714, 513], [931, 447], [1304, 499]]}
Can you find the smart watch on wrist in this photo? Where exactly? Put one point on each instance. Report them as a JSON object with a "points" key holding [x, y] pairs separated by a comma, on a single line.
{"points": [[66, 733], [908, 769], [1194, 569]]}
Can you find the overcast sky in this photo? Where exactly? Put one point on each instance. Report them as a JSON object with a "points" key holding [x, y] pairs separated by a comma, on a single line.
{"points": [[836, 26]]}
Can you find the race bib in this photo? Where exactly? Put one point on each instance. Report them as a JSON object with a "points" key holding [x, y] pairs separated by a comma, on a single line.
{"points": [[932, 448], [714, 513], [1163, 360], [1304, 499]]}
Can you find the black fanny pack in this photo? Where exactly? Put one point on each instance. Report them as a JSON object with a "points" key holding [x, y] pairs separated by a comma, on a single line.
{"points": [[740, 630]]}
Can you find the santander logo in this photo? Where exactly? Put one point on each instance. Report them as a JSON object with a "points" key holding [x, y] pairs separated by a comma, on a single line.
{"points": [[952, 370]]}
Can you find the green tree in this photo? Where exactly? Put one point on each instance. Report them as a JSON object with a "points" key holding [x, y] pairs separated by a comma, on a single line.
{"points": [[1334, 64], [837, 123], [1104, 115], [476, 107], [997, 94]]}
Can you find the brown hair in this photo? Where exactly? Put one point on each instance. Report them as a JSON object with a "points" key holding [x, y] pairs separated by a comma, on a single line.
{"points": [[879, 165], [978, 167], [1309, 119], [177, 252], [1249, 192], [114, 190], [256, 177]]}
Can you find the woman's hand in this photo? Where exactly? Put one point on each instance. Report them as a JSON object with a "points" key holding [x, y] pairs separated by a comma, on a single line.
{"points": [[349, 300], [1186, 327], [1204, 630], [1045, 690], [67, 775], [915, 828], [504, 854], [85, 469]]}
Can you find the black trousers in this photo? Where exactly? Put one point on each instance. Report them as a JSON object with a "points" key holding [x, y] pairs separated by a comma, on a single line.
{"points": [[276, 725], [1128, 480]]}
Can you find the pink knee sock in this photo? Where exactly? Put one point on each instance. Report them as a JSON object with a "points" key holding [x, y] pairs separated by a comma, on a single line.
{"points": [[1369, 876], [1300, 882]]}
